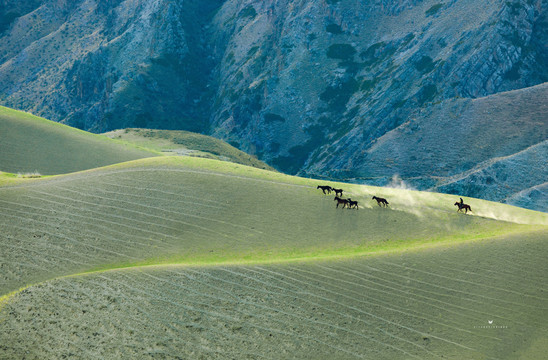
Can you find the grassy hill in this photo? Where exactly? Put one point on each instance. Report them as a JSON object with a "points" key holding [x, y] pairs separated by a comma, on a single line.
{"points": [[31, 144], [413, 305], [190, 257], [179, 142]]}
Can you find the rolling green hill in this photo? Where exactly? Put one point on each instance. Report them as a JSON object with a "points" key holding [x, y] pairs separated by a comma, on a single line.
{"points": [[190, 257], [432, 304], [30, 144], [179, 142], [33, 146]]}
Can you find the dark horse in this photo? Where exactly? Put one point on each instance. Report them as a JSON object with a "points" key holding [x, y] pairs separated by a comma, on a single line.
{"points": [[462, 205], [338, 192], [381, 201], [325, 188], [352, 203], [339, 201]]}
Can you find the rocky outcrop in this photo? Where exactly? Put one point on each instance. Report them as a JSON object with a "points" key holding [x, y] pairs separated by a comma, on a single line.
{"points": [[442, 61]]}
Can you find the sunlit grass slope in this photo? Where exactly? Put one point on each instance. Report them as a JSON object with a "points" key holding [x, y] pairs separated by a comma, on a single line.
{"points": [[188, 257], [178, 142], [199, 211], [30, 144], [478, 300]]}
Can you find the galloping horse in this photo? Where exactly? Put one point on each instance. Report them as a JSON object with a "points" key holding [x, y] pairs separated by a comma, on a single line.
{"points": [[462, 205], [325, 188], [341, 201], [352, 203], [338, 192], [381, 201]]}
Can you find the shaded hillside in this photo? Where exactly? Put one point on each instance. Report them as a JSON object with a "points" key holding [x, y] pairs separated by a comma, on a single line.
{"points": [[517, 179], [31, 144], [101, 65], [311, 86]]}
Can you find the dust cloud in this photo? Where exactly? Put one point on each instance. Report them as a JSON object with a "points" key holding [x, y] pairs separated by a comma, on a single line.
{"points": [[404, 197]]}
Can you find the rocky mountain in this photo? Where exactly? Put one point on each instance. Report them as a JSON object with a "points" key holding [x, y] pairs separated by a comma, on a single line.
{"points": [[107, 64], [446, 94]]}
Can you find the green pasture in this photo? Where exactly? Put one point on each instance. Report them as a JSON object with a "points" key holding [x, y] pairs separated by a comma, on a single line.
{"points": [[477, 300], [177, 256], [31, 144], [174, 210], [179, 142]]}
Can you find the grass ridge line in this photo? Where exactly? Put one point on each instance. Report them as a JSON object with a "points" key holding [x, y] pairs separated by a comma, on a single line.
{"points": [[4, 299]]}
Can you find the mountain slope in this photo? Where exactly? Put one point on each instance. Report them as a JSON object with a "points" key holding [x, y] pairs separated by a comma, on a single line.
{"points": [[310, 87], [84, 62]]}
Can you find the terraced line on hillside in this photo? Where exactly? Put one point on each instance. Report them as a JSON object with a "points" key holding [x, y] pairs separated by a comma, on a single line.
{"points": [[260, 242], [173, 210], [338, 308]]}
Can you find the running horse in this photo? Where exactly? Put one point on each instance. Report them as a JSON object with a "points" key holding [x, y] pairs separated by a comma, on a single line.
{"points": [[339, 201], [325, 188], [352, 203], [338, 192], [381, 201]]}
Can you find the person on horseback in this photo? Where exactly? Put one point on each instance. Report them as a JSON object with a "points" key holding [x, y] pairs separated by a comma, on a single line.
{"points": [[461, 205]]}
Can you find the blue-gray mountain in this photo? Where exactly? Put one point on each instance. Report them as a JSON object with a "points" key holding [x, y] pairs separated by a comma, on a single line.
{"points": [[448, 95]]}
